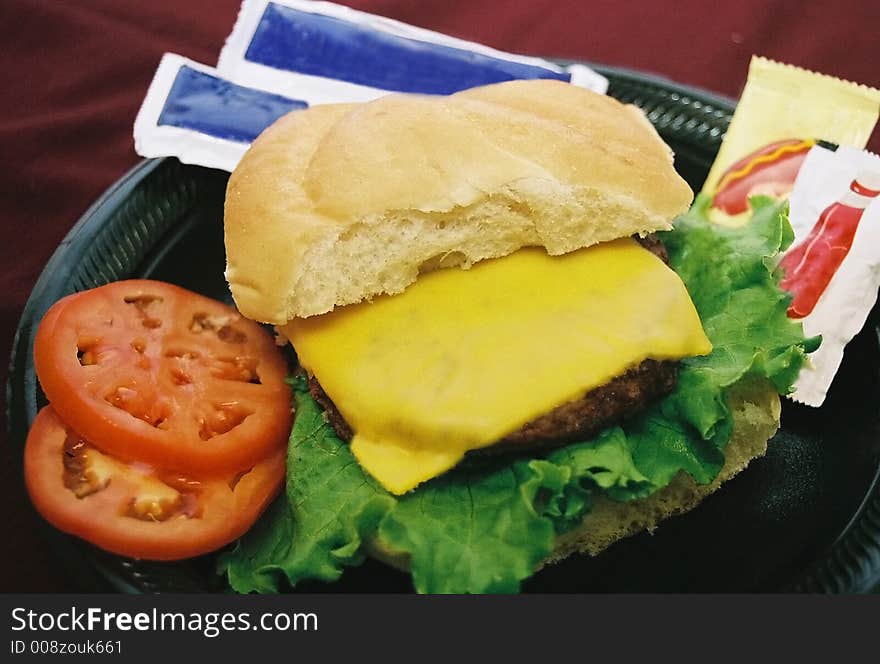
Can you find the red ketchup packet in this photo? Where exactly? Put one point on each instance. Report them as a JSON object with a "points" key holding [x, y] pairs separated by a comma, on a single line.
{"points": [[832, 268]]}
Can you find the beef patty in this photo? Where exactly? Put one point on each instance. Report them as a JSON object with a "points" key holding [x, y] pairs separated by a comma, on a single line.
{"points": [[580, 419]]}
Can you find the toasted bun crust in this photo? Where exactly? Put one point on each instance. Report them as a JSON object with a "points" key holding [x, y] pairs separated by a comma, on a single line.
{"points": [[339, 203], [755, 407], [756, 411]]}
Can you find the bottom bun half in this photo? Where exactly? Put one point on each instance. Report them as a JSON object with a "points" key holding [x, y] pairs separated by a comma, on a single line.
{"points": [[756, 409]]}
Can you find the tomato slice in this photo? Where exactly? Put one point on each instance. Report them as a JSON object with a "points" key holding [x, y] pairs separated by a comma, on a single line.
{"points": [[137, 510], [152, 372]]}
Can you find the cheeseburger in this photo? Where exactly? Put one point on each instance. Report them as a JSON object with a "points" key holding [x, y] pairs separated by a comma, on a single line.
{"points": [[474, 280]]}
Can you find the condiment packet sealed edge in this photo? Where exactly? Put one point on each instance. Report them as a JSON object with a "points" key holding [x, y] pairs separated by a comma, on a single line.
{"points": [[833, 265], [328, 53]]}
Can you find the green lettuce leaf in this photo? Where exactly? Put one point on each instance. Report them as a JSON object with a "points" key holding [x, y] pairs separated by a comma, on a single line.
{"points": [[485, 528], [319, 528]]}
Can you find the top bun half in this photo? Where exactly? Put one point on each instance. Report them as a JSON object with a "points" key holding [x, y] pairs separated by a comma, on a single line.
{"points": [[339, 203]]}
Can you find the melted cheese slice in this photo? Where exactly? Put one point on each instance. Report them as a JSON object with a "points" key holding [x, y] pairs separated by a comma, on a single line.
{"points": [[464, 357]]}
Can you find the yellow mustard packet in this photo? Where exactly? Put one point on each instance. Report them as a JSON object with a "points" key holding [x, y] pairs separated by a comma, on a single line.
{"points": [[783, 111]]}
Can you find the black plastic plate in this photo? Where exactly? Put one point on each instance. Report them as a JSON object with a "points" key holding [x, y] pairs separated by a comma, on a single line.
{"points": [[805, 517]]}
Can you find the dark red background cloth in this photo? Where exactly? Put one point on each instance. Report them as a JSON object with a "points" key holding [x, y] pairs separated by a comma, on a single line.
{"points": [[75, 74]]}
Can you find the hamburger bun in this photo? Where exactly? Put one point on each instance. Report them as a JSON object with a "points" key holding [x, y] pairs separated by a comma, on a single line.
{"points": [[337, 204]]}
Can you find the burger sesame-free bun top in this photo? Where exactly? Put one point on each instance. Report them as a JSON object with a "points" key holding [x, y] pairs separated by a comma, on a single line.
{"points": [[339, 203]]}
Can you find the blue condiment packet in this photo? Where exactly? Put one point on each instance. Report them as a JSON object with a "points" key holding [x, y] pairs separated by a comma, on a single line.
{"points": [[193, 113], [326, 52], [284, 55]]}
